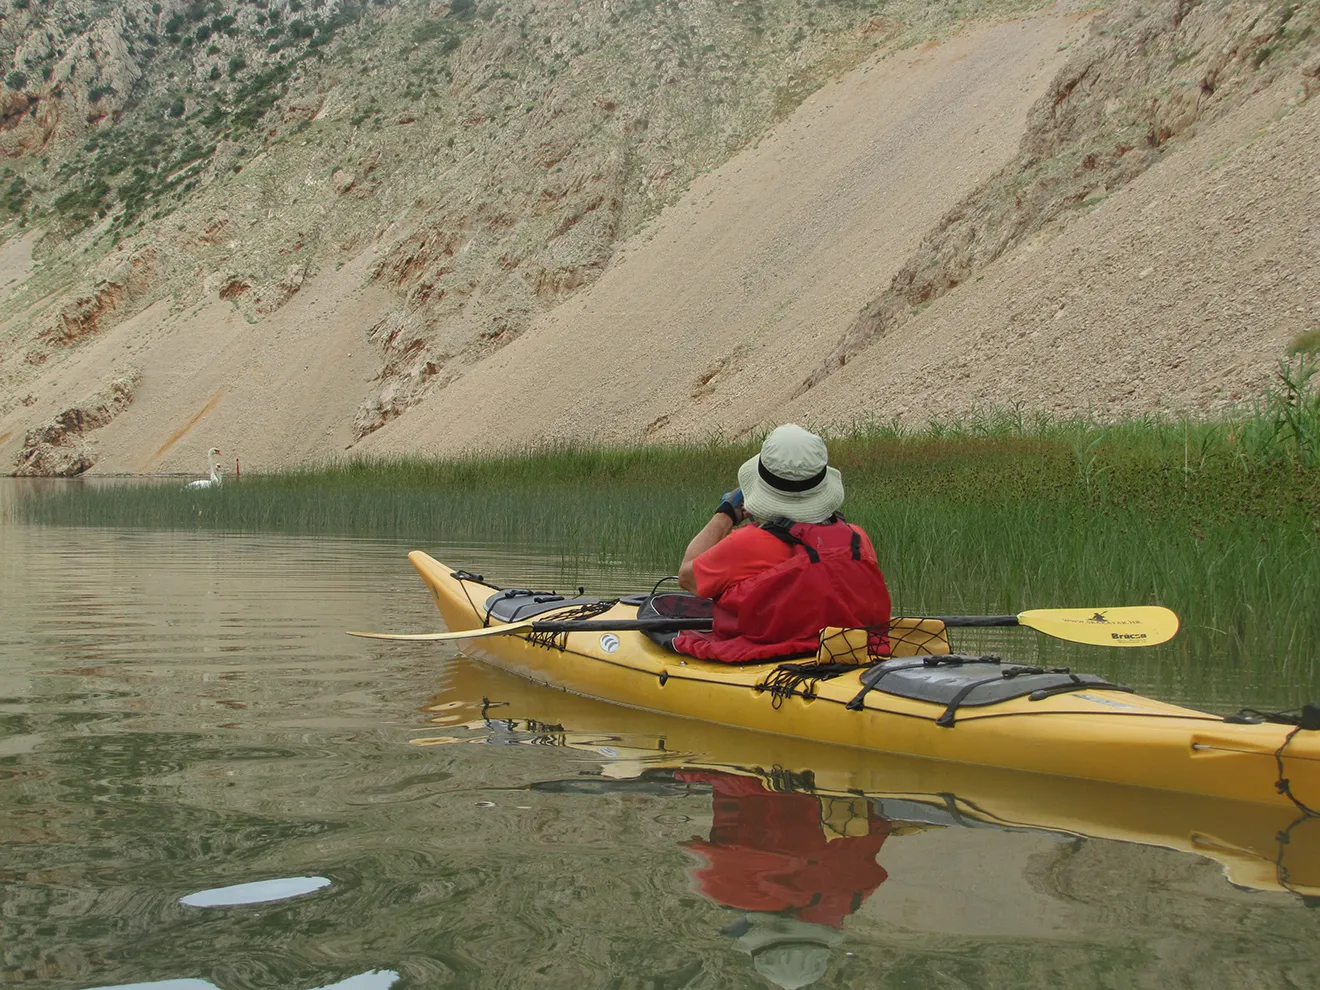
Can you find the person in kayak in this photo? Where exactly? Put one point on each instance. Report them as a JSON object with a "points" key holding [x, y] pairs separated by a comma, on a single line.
{"points": [[797, 568]]}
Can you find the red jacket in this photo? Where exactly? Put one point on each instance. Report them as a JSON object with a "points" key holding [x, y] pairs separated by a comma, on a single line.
{"points": [[831, 579]]}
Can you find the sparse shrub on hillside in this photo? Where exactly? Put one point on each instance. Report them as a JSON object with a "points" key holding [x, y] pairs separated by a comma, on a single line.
{"points": [[97, 93], [1305, 343], [343, 17], [80, 205], [429, 31], [133, 193], [260, 93], [114, 164], [16, 194], [16, 79]]}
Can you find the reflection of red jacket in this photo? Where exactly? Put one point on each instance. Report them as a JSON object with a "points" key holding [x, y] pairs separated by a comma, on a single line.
{"points": [[768, 852]]}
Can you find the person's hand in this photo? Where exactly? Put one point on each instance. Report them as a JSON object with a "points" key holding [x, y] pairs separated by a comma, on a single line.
{"points": [[732, 506]]}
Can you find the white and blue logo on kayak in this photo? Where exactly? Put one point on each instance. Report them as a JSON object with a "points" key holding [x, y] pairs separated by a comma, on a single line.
{"points": [[609, 643], [1106, 701]]}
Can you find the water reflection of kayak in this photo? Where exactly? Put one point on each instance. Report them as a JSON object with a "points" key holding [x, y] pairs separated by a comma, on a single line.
{"points": [[1076, 728], [1259, 846]]}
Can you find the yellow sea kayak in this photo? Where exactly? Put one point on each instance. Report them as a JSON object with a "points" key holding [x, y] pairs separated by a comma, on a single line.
{"points": [[1073, 726]]}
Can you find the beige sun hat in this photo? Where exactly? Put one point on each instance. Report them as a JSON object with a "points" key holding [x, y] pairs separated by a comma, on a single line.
{"points": [[790, 478]]}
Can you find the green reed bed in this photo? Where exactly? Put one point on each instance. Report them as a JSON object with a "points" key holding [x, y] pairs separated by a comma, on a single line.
{"points": [[988, 513], [1244, 590]]}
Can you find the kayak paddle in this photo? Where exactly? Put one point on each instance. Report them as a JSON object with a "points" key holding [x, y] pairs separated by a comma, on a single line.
{"points": [[1130, 625], [1136, 625]]}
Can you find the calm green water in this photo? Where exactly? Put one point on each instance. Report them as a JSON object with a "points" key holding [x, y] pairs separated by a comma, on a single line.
{"points": [[180, 712]]}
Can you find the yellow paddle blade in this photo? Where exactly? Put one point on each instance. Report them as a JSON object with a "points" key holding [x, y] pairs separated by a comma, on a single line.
{"points": [[1131, 625], [446, 637]]}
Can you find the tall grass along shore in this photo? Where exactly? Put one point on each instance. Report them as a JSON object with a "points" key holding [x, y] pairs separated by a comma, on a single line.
{"points": [[987, 513]]}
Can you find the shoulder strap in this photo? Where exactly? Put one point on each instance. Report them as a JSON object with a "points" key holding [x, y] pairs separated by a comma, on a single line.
{"points": [[782, 533]]}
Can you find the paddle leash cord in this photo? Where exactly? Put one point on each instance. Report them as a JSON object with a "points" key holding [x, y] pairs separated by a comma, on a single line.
{"points": [[1282, 785], [1308, 720], [793, 678], [1305, 719], [553, 640], [463, 577]]}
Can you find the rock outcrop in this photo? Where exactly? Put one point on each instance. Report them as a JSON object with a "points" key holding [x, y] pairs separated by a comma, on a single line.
{"points": [[62, 447]]}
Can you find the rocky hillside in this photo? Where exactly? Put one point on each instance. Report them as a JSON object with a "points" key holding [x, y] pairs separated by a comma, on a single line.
{"points": [[495, 152], [1147, 77], [289, 222], [1148, 243]]}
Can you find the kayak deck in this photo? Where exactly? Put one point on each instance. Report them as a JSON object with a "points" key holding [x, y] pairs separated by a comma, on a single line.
{"points": [[1094, 732]]}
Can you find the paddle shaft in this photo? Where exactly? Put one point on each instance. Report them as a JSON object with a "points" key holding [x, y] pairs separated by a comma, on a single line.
{"points": [[977, 620], [615, 625], [671, 625]]}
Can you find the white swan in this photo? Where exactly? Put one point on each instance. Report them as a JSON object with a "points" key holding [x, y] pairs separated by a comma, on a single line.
{"points": [[212, 462]]}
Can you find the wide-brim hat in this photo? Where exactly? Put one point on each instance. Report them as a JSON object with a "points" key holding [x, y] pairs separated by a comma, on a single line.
{"points": [[792, 966], [763, 930], [791, 478]]}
